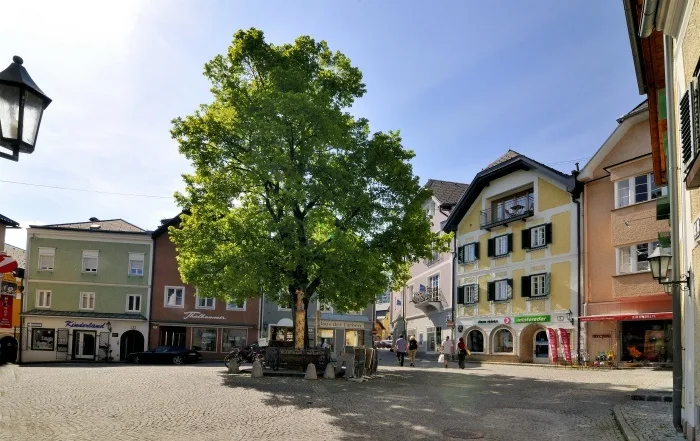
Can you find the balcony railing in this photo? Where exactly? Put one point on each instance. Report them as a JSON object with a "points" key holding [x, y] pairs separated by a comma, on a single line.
{"points": [[507, 211], [429, 295]]}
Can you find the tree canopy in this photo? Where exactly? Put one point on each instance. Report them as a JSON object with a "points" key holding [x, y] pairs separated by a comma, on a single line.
{"points": [[291, 193]]}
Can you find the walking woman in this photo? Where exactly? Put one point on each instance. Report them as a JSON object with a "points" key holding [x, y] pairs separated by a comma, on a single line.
{"points": [[412, 349], [463, 352]]}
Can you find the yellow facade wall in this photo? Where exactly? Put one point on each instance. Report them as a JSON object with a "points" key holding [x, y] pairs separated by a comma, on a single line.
{"points": [[518, 254], [550, 196], [561, 233], [519, 303], [560, 289], [470, 222], [484, 304]]}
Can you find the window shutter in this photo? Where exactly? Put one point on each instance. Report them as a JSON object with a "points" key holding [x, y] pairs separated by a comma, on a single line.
{"points": [[525, 287], [476, 250], [510, 286], [460, 254], [547, 283], [476, 297], [548, 233], [525, 239], [510, 243], [687, 115], [460, 295], [489, 244], [491, 296]]}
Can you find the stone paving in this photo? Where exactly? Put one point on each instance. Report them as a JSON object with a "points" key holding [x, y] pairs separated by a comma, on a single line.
{"points": [[204, 402], [649, 420]]}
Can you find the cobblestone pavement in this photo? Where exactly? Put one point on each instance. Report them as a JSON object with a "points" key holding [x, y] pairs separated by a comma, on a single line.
{"points": [[204, 402], [650, 421]]}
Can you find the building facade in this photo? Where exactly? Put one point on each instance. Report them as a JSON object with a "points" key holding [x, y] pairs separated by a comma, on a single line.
{"points": [[516, 280], [426, 301], [179, 317], [626, 311], [11, 306], [87, 290]]}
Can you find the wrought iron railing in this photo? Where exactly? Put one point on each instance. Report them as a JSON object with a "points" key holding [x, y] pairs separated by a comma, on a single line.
{"points": [[509, 210], [429, 295]]}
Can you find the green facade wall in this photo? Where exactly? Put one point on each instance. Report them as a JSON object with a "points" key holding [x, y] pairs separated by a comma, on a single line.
{"points": [[66, 297]]}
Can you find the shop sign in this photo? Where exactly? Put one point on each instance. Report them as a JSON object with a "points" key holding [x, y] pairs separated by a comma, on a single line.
{"points": [[621, 317], [6, 310], [35, 325], [602, 336], [450, 324], [72, 324], [201, 315], [533, 319], [488, 322], [340, 324]]}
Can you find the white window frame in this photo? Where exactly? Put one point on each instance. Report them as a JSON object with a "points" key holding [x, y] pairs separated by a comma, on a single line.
{"points": [[633, 264], [538, 236], [631, 190], [91, 299], [538, 285], [129, 296], [229, 308], [499, 292], [91, 254], [165, 296], [470, 253], [471, 293], [41, 296], [47, 252], [433, 278], [197, 298], [496, 247], [136, 257], [430, 209]]}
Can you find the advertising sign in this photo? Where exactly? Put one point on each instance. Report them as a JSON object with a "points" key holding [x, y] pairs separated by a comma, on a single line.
{"points": [[553, 350], [6, 310], [533, 319], [565, 344]]}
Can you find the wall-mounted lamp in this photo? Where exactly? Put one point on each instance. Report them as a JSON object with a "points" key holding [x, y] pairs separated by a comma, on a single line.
{"points": [[570, 316], [660, 261], [109, 326]]}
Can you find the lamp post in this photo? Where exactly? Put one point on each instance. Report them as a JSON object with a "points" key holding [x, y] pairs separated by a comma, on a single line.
{"points": [[22, 105], [660, 263]]}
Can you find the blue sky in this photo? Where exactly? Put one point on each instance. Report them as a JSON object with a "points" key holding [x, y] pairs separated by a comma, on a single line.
{"points": [[464, 81]]}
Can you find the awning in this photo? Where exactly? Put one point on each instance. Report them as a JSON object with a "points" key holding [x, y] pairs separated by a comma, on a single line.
{"points": [[625, 317]]}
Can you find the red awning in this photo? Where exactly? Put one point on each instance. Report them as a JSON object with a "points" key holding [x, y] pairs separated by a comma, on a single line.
{"points": [[622, 317]]}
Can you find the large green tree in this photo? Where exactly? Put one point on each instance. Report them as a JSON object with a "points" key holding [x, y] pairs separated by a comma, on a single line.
{"points": [[291, 195]]}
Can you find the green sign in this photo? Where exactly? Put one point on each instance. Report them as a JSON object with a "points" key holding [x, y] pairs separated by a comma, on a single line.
{"points": [[533, 319]]}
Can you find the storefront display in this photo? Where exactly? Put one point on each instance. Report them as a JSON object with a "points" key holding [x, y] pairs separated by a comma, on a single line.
{"points": [[233, 338], [204, 339], [503, 342], [647, 340]]}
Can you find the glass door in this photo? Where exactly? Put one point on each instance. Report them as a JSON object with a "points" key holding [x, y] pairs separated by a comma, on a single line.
{"points": [[84, 345], [541, 347]]}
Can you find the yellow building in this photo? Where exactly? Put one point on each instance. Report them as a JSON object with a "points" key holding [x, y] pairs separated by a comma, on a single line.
{"points": [[517, 262], [11, 307]]}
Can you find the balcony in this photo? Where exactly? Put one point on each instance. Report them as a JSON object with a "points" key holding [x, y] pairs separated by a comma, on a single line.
{"points": [[506, 211], [430, 300]]}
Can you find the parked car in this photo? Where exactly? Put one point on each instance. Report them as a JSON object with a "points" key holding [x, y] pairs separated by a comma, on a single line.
{"points": [[384, 344], [165, 354]]}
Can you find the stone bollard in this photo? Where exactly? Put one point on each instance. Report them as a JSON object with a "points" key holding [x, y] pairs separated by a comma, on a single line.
{"points": [[257, 369], [233, 366], [330, 372], [310, 372]]}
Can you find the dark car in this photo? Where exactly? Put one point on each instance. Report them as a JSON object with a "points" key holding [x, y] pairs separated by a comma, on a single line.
{"points": [[165, 354]]}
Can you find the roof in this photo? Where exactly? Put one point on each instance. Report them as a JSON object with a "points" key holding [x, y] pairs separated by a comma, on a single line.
{"points": [[641, 108], [509, 163], [445, 191], [105, 226], [4, 220], [18, 254], [165, 224], [84, 314]]}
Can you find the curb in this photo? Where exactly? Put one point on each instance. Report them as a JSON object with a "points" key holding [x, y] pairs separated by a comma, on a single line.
{"points": [[623, 425]]}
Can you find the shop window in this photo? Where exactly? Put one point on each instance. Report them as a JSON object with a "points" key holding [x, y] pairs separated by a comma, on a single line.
{"points": [[647, 340], [354, 338], [475, 341], [325, 339], [43, 339], [433, 338], [204, 339], [503, 342], [233, 338]]}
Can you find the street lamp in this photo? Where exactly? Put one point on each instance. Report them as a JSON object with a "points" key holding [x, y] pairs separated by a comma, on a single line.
{"points": [[570, 316], [660, 262], [22, 104]]}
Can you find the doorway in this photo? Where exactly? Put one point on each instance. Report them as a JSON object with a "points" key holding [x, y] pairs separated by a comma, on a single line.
{"points": [[173, 336], [541, 347], [8, 350], [84, 345], [132, 341]]}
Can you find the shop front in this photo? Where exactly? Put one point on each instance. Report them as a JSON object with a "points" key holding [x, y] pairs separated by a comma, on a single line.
{"points": [[81, 337], [339, 333], [213, 341]]}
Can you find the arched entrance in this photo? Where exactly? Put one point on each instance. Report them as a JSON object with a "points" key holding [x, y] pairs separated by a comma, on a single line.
{"points": [[541, 347], [534, 345], [132, 341], [8, 350]]}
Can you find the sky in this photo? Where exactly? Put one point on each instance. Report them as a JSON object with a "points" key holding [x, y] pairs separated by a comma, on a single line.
{"points": [[464, 81]]}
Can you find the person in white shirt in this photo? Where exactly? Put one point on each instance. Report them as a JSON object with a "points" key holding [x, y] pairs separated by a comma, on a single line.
{"points": [[447, 349]]}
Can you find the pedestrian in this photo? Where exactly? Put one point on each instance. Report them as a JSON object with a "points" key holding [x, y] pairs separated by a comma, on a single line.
{"points": [[463, 352], [412, 349], [400, 348], [447, 349]]}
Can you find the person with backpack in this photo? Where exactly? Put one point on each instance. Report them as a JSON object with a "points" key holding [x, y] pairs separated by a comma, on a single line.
{"points": [[400, 348], [412, 349]]}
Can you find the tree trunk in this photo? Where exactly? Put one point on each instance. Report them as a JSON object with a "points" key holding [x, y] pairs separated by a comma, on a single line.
{"points": [[300, 330], [307, 343]]}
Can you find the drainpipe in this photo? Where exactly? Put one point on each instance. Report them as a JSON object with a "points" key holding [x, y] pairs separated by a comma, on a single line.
{"points": [[648, 20], [454, 286], [673, 192], [576, 197]]}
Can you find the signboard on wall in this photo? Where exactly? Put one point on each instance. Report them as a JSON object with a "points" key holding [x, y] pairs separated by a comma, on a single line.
{"points": [[340, 324], [533, 319], [6, 310]]}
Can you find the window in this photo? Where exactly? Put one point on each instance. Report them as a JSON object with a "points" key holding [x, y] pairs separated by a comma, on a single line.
{"points": [[236, 306], [637, 189], [90, 261], [696, 229], [325, 307], [384, 298], [205, 303], [233, 338], [475, 341], [538, 285], [174, 297], [470, 252], [537, 237], [635, 258], [434, 281], [204, 339], [500, 246], [503, 342], [689, 116], [501, 290], [133, 303], [471, 294], [430, 209], [43, 339], [46, 258], [136, 264], [87, 301], [43, 298]]}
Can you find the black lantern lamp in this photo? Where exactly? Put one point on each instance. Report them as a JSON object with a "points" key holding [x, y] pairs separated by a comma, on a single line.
{"points": [[570, 317], [660, 262], [22, 104]]}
